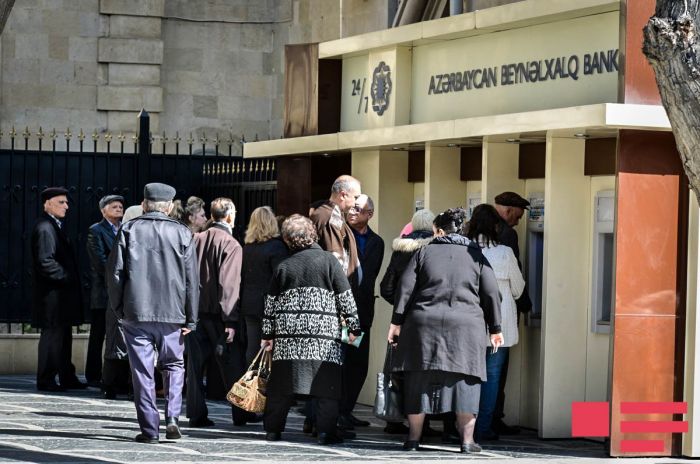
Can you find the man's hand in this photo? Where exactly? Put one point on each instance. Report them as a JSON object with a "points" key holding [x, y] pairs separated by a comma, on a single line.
{"points": [[393, 335], [185, 330], [230, 333], [351, 337], [267, 344], [496, 341]]}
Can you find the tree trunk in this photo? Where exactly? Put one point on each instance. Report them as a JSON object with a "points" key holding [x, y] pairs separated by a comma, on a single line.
{"points": [[671, 46]]}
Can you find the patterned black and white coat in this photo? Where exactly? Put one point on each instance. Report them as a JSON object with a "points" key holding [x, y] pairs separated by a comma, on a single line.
{"points": [[308, 299]]}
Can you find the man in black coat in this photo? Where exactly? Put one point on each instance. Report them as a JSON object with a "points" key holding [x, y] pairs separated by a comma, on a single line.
{"points": [[100, 240], [510, 207], [370, 250], [57, 304]]}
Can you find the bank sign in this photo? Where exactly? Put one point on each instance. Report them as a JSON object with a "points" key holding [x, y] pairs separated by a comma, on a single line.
{"points": [[553, 65]]}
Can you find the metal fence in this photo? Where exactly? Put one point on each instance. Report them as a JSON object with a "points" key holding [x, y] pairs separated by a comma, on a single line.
{"points": [[89, 174]]}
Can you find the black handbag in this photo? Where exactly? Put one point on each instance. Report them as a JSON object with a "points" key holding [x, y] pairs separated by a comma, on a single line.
{"points": [[388, 404]]}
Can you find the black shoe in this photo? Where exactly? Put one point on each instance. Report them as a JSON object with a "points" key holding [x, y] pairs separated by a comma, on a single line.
{"points": [[203, 422], [489, 435], [109, 394], [396, 428], [344, 422], [50, 387], [74, 384], [411, 445], [502, 428], [308, 426], [172, 429], [470, 448], [141, 438], [94, 383], [254, 418], [273, 436], [346, 434], [356, 422], [329, 439]]}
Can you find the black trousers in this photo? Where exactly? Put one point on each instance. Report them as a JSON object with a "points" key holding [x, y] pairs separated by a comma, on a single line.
{"points": [[253, 327], [93, 365], [55, 351], [201, 345], [355, 368], [116, 375], [277, 408]]}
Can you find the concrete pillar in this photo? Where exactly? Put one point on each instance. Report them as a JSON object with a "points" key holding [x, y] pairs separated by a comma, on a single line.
{"points": [[384, 177], [499, 170], [565, 285], [691, 440], [443, 188]]}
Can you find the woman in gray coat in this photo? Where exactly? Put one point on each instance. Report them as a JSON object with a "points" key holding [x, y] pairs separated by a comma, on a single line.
{"points": [[447, 299]]}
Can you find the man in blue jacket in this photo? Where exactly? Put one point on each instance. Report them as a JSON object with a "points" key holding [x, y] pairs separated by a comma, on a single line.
{"points": [[153, 287]]}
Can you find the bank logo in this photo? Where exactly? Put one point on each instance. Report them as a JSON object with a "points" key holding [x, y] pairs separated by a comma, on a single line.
{"points": [[381, 88]]}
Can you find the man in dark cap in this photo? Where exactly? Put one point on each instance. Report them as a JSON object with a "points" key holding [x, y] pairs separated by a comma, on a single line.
{"points": [[153, 287], [100, 240], [57, 304], [510, 207]]}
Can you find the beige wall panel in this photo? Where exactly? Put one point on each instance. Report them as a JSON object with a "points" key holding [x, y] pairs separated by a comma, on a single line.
{"points": [[565, 324], [142, 27], [598, 344], [18, 353], [144, 51], [501, 94], [125, 98], [691, 440], [383, 176], [133, 74], [443, 188]]}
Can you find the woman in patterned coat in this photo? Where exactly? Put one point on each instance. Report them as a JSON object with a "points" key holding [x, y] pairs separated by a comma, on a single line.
{"points": [[308, 299]]}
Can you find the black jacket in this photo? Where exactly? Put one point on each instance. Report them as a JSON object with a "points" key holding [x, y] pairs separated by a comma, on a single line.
{"points": [[100, 240], [260, 260], [152, 273], [447, 298], [403, 248], [370, 264], [57, 293]]}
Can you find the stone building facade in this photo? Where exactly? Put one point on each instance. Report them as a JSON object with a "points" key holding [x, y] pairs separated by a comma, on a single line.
{"points": [[204, 66]]}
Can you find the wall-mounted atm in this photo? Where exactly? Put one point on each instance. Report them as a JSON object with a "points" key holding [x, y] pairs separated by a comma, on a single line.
{"points": [[603, 249], [535, 256], [473, 200]]}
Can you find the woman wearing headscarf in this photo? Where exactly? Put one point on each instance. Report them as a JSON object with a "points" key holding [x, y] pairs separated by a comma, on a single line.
{"points": [[308, 301], [447, 299], [484, 231]]}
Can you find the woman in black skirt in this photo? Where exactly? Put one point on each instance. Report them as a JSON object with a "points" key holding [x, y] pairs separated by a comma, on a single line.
{"points": [[447, 300]]}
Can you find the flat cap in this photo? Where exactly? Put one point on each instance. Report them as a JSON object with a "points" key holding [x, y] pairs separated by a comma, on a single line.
{"points": [[51, 192], [512, 199], [107, 199], [158, 192]]}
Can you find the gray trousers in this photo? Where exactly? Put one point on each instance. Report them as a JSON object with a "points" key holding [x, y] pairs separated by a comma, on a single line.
{"points": [[143, 339]]}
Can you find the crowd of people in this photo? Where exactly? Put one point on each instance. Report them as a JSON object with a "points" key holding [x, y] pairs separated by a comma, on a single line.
{"points": [[174, 293]]}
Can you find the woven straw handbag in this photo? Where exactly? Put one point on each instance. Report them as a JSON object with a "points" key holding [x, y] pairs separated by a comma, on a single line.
{"points": [[248, 393]]}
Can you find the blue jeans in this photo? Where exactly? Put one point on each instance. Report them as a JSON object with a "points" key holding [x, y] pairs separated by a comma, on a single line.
{"points": [[489, 389]]}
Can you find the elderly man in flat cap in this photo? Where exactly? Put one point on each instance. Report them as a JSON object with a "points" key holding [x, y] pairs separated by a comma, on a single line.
{"points": [[153, 287], [57, 304], [100, 240]]}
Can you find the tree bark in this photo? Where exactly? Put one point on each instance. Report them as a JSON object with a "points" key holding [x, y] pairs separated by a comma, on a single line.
{"points": [[671, 46]]}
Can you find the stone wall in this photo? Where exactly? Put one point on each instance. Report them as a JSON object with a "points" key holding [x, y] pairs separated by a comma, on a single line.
{"points": [[204, 66]]}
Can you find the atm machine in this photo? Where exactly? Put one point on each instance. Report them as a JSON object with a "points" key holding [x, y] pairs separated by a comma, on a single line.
{"points": [[603, 248], [473, 200], [535, 256]]}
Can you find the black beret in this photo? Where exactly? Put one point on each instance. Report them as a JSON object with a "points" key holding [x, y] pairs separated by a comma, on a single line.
{"points": [[107, 199], [51, 192], [158, 192], [512, 199]]}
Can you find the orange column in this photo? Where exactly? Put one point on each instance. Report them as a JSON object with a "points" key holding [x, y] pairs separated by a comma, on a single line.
{"points": [[649, 279]]}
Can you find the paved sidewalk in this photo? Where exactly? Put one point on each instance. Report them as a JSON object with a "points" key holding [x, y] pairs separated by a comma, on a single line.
{"points": [[80, 427]]}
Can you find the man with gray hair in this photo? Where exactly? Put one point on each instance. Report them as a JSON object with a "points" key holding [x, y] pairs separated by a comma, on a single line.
{"points": [[153, 287], [219, 258]]}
